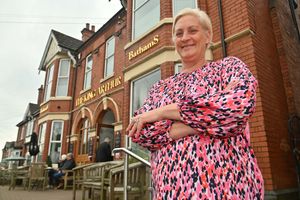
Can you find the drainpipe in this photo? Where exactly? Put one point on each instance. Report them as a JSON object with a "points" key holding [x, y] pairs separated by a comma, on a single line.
{"points": [[72, 100], [222, 28], [293, 6]]}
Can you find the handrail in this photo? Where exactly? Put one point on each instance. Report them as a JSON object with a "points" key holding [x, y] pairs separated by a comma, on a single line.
{"points": [[126, 187], [132, 154]]}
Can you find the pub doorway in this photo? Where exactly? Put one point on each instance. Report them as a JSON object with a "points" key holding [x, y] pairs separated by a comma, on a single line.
{"points": [[105, 127]]}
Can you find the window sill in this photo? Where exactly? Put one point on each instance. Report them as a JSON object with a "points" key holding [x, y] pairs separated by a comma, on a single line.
{"points": [[106, 78], [84, 91]]}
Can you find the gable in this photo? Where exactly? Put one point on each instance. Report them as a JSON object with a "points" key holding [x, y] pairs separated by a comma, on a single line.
{"points": [[52, 50]]}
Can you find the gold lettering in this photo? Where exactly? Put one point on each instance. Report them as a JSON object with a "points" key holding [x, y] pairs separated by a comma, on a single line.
{"points": [[99, 91], [130, 55], [44, 108], [156, 39], [118, 81], [142, 49], [112, 84]]}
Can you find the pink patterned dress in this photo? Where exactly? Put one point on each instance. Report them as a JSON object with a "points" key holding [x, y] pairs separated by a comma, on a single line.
{"points": [[218, 162]]}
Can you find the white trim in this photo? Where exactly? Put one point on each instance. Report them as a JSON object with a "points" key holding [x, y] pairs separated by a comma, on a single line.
{"points": [[50, 68], [176, 67], [133, 16], [58, 77], [85, 87], [62, 135], [112, 38], [131, 96], [173, 14]]}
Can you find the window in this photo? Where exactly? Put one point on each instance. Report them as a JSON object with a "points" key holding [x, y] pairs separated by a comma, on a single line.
{"points": [[140, 88], [55, 140], [29, 129], [88, 72], [178, 67], [48, 84], [41, 141], [146, 13], [180, 4], [63, 78], [84, 136], [109, 57]]}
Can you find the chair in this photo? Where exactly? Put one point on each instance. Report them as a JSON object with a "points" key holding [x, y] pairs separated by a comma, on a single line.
{"points": [[136, 181], [18, 173], [37, 175], [96, 177], [4, 176], [294, 133], [78, 177], [68, 178]]}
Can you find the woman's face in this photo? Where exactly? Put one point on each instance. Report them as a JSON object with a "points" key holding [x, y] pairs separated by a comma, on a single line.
{"points": [[190, 38]]}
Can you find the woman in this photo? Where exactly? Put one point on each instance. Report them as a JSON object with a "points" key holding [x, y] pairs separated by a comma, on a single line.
{"points": [[195, 123]]}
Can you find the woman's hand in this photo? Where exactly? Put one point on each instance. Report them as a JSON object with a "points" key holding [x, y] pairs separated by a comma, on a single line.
{"points": [[138, 122], [166, 112]]}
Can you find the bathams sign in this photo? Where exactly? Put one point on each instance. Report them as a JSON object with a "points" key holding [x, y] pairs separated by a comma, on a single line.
{"points": [[99, 91], [143, 49]]}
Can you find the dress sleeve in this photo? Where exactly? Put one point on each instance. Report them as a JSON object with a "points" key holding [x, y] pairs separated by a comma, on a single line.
{"points": [[226, 112], [153, 135]]}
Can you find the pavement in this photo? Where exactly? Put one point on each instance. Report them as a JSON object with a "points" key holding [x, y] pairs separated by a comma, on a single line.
{"points": [[48, 194]]}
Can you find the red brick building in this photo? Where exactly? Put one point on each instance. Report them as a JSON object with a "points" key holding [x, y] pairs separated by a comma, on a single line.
{"points": [[93, 86]]}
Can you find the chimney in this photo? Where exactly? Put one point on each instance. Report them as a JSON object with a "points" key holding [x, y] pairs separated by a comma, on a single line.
{"points": [[87, 32], [40, 95]]}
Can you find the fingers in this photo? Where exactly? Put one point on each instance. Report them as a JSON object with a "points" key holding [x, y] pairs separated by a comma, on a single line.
{"points": [[134, 127]]}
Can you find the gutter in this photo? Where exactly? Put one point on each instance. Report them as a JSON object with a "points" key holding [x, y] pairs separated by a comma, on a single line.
{"points": [[76, 63], [222, 28]]}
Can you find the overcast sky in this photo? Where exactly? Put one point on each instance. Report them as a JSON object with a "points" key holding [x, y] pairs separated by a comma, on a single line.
{"points": [[25, 26]]}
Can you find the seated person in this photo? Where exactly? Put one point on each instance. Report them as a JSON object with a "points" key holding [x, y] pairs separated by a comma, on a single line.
{"points": [[69, 164], [54, 169]]}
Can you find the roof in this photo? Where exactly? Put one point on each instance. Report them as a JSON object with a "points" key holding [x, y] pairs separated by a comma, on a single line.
{"points": [[121, 12], [66, 41], [31, 110], [9, 145]]}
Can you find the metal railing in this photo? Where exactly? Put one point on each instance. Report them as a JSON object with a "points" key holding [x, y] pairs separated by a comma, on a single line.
{"points": [[128, 152]]}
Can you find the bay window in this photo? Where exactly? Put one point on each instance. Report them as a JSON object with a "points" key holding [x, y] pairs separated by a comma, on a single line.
{"points": [[146, 14], [63, 78], [88, 72]]}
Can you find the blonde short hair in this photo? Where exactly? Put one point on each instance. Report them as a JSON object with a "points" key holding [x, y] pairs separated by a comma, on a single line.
{"points": [[200, 14]]}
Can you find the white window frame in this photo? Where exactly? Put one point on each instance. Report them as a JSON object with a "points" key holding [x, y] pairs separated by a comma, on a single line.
{"points": [[56, 141], [41, 141], [174, 2], [177, 68], [131, 94], [60, 77], [134, 10], [48, 83], [88, 72], [29, 127], [109, 56], [84, 137]]}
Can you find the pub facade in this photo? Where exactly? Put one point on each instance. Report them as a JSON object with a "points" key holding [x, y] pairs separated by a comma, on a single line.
{"points": [[94, 85]]}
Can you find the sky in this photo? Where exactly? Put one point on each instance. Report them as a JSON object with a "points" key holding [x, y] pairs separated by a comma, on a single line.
{"points": [[24, 30]]}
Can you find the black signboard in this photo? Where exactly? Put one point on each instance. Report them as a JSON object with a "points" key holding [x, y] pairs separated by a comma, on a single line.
{"points": [[90, 146], [118, 139]]}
